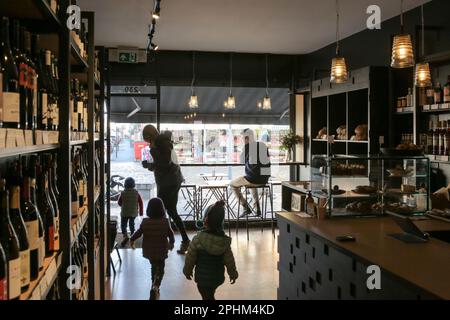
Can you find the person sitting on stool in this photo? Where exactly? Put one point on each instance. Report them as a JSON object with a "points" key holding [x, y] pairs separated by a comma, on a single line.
{"points": [[257, 170]]}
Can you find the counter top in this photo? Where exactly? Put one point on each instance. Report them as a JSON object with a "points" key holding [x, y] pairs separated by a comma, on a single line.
{"points": [[426, 265]]}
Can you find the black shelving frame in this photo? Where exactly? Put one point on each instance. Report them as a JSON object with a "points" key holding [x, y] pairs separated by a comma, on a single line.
{"points": [[38, 17]]}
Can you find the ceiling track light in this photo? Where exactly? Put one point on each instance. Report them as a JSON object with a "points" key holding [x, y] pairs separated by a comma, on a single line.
{"points": [[402, 48], [423, 74], [156, 10], [193, 100], [339, 73], [230, 102]]}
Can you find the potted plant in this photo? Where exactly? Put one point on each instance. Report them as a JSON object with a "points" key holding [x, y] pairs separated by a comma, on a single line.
{"points": [[288, 143]]}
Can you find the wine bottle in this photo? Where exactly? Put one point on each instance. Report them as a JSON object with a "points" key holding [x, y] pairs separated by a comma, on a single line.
{"points": [[32, 83], [30, 217], [53, 199], [19, 225], [10, 243], [447, 91], [3, 275], [438, 93], [10, 78], [21, 62], [33, 199], [46, 209]]}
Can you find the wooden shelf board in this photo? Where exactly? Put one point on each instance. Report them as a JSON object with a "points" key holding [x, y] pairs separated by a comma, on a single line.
{"points": [[80, 219], [12, 152], [44, 276], [78, 142]]}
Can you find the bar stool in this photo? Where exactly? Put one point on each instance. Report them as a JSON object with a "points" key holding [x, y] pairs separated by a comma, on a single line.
{"points": [[266, 192], [189, 193]]}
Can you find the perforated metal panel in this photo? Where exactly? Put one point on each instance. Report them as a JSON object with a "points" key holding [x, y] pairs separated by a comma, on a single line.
{"points": [[313, 268]]}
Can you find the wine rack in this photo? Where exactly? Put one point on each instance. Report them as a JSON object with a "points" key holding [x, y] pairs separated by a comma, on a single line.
{"points": [[87, 65]]}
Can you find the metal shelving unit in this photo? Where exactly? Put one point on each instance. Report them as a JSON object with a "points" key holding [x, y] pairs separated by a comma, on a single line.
{"points": [[39, 17]]}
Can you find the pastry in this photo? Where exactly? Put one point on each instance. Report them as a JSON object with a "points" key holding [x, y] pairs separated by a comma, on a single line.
{"points": [[365, 189], [323, 134]]}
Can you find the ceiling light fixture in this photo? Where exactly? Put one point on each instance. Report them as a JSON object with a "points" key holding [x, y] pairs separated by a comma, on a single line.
{"points": [[156, 10], [339, 72], [152, 29], [402, 49], [230, 103], [423, 74], [193, 100]]}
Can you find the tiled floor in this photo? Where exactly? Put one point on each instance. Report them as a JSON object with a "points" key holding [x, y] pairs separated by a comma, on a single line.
{"points": [[256, 263]]}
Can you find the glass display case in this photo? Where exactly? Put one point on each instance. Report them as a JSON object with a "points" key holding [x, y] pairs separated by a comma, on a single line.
{"points": [[371, 185]]}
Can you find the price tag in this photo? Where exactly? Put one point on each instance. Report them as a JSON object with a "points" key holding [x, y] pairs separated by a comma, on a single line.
{"points": [[45, 137], [38, 137], [434, 107], [53, 137], [20, 138], [29, 138], [426, 107], [10, 138], [2, 138], [445, 106]]}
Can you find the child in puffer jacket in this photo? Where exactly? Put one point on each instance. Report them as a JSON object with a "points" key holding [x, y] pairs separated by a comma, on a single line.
{"points": [[209, 252]]}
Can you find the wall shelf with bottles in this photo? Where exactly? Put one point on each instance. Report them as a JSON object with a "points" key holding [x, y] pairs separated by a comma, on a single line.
{"points": [[58, 56]]}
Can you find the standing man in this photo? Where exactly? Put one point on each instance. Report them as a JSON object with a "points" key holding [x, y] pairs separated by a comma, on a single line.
{"points": [[168, 176], [257, 170]]}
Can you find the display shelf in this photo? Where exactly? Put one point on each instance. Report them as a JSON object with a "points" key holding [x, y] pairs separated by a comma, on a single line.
{"points": [[342, 141], [436, 108], [438, 58], [35, 12], [40, 287], [78, 142], [397, 113], [77, 224], [13, 152], [77, 60]]}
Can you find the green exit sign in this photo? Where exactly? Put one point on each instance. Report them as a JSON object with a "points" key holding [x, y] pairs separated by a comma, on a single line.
{"points": [[128, 57]]}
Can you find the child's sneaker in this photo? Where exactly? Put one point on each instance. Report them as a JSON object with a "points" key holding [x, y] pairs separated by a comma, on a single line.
{"points": [[183, 247], [154, 293]]}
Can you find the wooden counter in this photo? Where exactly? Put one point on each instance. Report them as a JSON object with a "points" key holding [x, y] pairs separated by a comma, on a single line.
{"points": [[423, 270]]}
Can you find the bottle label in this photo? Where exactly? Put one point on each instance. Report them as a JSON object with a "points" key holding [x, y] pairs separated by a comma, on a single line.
{"points": [[55, 114], [11, 107], [32, 83], [3, 286], [75, 207], [33, 234], [41, 252], [48, 58], [25, 267], [14, 278], [44, 108], [51, 239], [15, 197], [23, 75], [1, 96]]}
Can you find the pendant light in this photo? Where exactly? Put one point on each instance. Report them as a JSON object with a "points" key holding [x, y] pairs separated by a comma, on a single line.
{"points": [[230, 103], [267, 104], [193, 100], [423, 74], [402, 49], [339, 72]]}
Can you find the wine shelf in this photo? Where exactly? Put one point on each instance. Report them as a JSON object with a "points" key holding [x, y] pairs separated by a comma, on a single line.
{"points": [[340, 141], [34, 10], [40, 287], [436, 108], [77, 60], [13, 152], [77, 224]]}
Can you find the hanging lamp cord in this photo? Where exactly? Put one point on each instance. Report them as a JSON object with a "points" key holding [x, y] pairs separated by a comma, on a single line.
{"points": [[193, 73], [267, 75], [231, 72], [423, 31], [337, 27], [401, 16]]}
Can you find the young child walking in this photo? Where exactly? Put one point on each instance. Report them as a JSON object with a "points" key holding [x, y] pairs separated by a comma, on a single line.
{"points": [[131, 203], [158, 240], [209, 252]]}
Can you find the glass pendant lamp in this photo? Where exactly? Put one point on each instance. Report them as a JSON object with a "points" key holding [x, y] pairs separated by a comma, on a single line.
{"points": [[423, 74], [339, 72], [193, 100], [230, 102], [402, 49], [267, 104]]}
